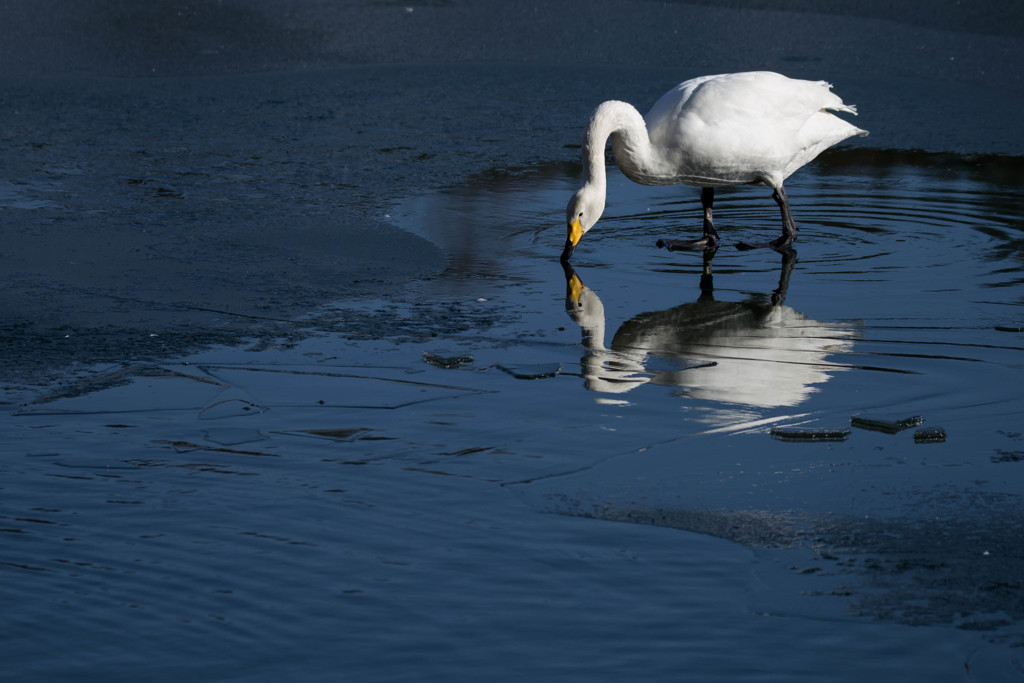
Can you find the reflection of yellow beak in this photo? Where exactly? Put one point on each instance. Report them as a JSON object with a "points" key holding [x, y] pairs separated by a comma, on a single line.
{"points": [[575, 233], [573, 289]]}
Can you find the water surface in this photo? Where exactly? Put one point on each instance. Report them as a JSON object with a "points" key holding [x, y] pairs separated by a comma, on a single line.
{"points": [[595, 494], [902, 299]]}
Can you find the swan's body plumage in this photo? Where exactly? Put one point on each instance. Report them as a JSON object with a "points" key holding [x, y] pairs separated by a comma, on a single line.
{"points": [[745, 128]]}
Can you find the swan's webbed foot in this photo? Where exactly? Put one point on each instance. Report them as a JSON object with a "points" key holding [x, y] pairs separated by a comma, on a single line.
{"points": [[785, 242], [710, 241], [782, 244], [705, 243]]}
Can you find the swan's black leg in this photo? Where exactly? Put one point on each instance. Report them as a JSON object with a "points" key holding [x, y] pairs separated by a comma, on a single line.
{"points": [[788, 226], [710, 239], [707, 198], [788, 262], [707, 278]]}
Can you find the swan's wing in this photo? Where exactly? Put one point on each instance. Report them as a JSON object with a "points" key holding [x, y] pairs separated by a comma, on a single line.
{"points": [[746, 100], [746, 127]]}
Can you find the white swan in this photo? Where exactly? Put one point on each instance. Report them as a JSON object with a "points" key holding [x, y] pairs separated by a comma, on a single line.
{"points": [[731, 129]]}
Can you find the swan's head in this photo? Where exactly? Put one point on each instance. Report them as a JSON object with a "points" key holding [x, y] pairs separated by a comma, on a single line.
{"points": [[585, 207]]}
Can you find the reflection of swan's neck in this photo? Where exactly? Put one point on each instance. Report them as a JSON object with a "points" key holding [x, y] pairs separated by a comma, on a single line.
{"points": [[632, 147], [603, 370], [587, 311]]}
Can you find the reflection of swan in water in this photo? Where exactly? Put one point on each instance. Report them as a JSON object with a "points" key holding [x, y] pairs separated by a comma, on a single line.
{"points": [[604, 370], [755, 353]]}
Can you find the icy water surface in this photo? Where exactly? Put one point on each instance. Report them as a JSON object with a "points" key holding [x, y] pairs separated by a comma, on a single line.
{"points": [[516, 471]]}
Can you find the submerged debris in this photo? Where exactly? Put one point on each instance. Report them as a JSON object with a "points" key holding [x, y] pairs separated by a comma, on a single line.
{"points": [[877, 424], [116, 378], [446, 362], [233, 436], [790, 434], [335, 433], [188, 446], [930, 435], [540, 371], [232, 407], [1007, 456]]}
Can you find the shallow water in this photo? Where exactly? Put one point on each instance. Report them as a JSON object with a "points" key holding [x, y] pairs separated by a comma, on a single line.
{"points": [[595, 494]]}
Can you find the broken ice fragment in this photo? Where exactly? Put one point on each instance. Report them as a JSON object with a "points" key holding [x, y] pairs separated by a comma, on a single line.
{"points": [[930, 435], [446, 362], [878, 424], [790, 434]]}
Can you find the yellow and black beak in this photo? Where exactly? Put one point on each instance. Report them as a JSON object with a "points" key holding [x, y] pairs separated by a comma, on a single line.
{"points": [[575, 233]]}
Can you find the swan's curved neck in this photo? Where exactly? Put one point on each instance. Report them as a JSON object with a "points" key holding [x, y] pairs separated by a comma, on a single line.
{"points": [[630, 142]]}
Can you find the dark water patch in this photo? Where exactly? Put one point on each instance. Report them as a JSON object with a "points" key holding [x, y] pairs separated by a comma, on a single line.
{"points": [[395, 528], [943, 570], [948, 14]]}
